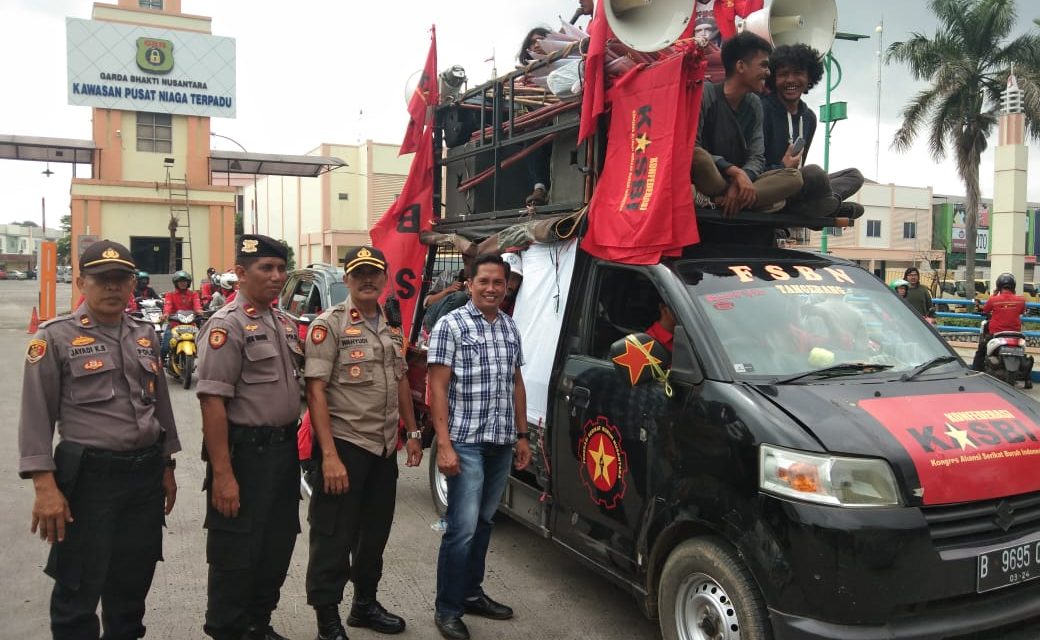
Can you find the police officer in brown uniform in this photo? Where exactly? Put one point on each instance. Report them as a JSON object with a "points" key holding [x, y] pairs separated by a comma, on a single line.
{"points": [[356, 390], [250, 396], [95, 374]]}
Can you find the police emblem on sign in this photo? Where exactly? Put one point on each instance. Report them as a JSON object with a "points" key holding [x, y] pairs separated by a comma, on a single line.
{"points": [[603, 463], [154, 55]]}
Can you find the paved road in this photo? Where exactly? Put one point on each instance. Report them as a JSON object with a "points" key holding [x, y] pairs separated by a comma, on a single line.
{"points": [[553, 595]]}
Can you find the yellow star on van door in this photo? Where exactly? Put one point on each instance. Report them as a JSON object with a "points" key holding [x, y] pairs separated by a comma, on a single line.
{"points": [[961, 436], [642, 142], [603, 461]]}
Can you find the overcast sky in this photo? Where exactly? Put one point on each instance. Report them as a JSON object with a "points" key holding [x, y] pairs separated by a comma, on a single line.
{"points": [[335, 71]]}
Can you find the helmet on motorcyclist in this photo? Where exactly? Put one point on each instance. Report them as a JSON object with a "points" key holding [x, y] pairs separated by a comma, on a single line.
{"points": [[181, 276], [1005, 281], [228, 280], [142, 278], [899, 283]]}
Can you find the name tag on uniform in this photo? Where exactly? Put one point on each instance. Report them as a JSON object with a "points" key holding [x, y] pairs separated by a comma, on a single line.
{"points": [[79, 352], [256, 337]]}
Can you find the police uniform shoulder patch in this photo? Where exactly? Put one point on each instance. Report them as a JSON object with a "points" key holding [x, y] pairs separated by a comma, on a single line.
{"points": [[37, 349], [318, 334], [217, 337], [80, 341]]}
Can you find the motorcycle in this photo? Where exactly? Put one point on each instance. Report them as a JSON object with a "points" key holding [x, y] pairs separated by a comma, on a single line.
{"points": [[1006, 357], [150, 310], [180, 362]]}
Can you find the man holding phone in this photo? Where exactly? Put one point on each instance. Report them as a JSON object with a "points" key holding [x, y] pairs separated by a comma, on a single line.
{"points": [[788, 126]]}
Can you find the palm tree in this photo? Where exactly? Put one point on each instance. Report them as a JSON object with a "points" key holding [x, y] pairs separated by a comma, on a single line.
{"points": [[967, 62]]}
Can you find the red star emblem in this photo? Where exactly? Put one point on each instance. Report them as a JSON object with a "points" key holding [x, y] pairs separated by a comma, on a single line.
{"points": [[635, 360]]}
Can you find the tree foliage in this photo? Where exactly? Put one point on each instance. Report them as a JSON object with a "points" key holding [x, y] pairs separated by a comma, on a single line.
{"points": [[967, 63]]}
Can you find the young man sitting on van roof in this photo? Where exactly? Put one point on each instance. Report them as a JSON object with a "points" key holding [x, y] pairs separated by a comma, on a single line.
{"points": [[729, 161], [793, 71]]}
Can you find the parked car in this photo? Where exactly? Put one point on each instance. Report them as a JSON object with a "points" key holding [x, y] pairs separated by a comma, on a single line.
{"points": [[311, 290], [65, 274], [15, 274], [3, 275]]}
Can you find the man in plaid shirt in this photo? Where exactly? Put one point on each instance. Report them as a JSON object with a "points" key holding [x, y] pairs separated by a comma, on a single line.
{"points": [[479, 409]]}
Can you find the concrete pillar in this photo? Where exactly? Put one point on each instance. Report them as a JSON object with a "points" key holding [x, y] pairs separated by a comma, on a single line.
{"points": [[1007, 225]]}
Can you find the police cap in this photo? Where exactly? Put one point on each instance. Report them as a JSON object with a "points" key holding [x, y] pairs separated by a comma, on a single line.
{"points": [[362, 256], [104, 256], [257, 246]]}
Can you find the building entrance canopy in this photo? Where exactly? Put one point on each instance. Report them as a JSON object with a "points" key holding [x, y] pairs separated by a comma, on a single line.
{"points": [[47, 149], [266, 164]]}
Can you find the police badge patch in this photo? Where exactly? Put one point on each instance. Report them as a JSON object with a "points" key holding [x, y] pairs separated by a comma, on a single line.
{"points": [[217, 338], [37, 349]]}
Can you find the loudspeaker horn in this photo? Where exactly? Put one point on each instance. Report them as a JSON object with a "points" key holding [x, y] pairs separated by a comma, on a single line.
{"points": [[648, 25], [811, 22]]}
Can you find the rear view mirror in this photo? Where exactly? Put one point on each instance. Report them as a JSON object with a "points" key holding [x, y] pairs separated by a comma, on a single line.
{"points": [[638, 358]]}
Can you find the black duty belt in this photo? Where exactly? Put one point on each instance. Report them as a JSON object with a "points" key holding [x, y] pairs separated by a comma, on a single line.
{"points": [[121, 461], [262, 436]]}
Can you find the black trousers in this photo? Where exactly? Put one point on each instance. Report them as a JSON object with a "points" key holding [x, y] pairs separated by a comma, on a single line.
{"points": [[249, 555], [110, 549], [349, 532]]}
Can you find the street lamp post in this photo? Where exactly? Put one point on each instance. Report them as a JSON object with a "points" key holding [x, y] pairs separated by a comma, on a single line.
{"points": [[832, 112], [256, 221]]}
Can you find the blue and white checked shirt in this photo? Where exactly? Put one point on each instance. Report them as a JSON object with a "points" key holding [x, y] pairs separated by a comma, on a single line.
{"points": [[483, 357]]}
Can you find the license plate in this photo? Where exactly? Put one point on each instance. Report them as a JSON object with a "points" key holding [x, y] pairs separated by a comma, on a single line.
{"points": [[1012, 351], [1008, 566]]}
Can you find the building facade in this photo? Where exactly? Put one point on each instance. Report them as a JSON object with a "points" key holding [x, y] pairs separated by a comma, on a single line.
{"points": [[321, 219], [151, 169], [895, 230]]}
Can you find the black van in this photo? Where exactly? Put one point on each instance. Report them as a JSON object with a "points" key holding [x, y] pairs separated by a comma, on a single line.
{"points": [[809, 460], [817, 463]]}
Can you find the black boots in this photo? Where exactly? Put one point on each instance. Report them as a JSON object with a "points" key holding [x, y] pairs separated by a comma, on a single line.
{"points": [[369, 613], [329, 625]]}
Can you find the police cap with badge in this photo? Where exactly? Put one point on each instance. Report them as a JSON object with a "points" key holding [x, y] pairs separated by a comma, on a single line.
{"points": [[104, 256], [364, 256], [254, 245]]}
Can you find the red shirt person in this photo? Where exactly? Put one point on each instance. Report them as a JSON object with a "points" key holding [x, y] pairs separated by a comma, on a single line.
{"points": [[1005, 309], [182, 298], [664, 329]]}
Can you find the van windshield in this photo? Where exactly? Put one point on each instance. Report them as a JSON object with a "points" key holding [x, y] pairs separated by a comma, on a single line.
{"points": [[783, 319]]}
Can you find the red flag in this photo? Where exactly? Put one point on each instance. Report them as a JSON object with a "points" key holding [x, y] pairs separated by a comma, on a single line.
{"points": [[426, 94], [726, 14], [397, 232], [592, 94], [643, 204]]}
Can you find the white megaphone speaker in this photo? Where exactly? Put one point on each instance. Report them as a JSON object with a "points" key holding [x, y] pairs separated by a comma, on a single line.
{"points": [[811, 22], [648, 25]]}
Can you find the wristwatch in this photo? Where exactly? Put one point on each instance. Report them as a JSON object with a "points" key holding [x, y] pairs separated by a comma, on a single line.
{"points": [[415, 434], [523, 435]]}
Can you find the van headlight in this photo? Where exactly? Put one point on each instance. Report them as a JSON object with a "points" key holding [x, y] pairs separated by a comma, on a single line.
{"points": [[833, 480]]}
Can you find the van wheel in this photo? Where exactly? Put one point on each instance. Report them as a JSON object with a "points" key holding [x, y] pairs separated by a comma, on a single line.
{"points": [[438, 482], [706, 593]]}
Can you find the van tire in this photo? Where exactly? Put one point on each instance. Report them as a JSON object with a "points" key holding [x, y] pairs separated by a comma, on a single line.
{"points": [[722, 600], [438, 483]]}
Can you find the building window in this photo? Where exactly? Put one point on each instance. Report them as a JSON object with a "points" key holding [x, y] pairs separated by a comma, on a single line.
{"points": [[151, 4], [909, 229], [154, 132], [835, 231], [873, 228]]}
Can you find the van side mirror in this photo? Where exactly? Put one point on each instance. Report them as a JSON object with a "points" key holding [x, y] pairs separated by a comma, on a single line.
{"points": [[685, 368]]}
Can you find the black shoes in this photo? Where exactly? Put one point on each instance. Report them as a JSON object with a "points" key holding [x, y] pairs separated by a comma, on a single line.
{"points": [[850, 210], [486, 607], [451, 628], [329, 625], [371, 614], [262, 633]]}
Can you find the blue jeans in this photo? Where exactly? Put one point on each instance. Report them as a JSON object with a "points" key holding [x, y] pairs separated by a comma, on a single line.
{"points": [[473, 496], [164, 348]]}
